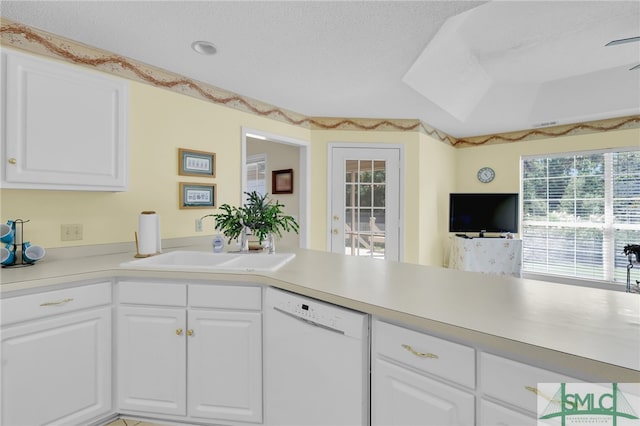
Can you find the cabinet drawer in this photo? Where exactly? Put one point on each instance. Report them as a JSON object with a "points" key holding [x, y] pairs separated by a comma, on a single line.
{"points": [[165, 294], [496, 415], [430, 354], [225, 296], [514, 382], [33, 306]]}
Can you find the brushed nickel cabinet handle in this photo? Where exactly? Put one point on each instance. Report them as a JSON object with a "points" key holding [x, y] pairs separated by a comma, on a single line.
{"points": [[537, 392], [420, 354], [59, 302]]}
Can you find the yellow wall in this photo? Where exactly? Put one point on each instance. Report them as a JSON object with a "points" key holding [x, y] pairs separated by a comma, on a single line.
{"points": [[421, 167], [437, 180], [505, 158], [160, 122]]}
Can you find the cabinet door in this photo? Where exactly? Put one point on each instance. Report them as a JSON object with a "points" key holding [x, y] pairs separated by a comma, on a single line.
{"points": [[66, 126], [496, 415], [152, 360], [58, 371], [400, 396], [225, 365]]}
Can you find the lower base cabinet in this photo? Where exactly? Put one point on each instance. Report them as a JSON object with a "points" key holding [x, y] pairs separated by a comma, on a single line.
{"points": [[418, 379], [224, 380], [200, 361], [152, 360], [497, 415], [57, 371], [403, 397]]}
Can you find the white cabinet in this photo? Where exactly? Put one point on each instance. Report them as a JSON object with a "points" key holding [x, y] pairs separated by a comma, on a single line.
{"points": [[197, 357], [56, 357], [225, 365], [492, 414], [152, 359], [513, 382], [513, 387], [401, 396], [406, 370], [500, 256], [65, 126]]}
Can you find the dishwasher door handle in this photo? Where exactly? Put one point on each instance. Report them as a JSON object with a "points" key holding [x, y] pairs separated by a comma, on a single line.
{"points": [[315, 324]]}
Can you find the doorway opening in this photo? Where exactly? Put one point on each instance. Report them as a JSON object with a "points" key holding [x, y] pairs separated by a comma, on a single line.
{"points": [[257, 144]]}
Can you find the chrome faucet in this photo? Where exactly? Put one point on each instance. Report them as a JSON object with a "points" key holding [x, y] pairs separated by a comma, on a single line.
{"points": [[244, 239]]}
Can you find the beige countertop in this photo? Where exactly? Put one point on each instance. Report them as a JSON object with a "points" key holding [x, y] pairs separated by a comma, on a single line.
{"points": [[574, 328]]}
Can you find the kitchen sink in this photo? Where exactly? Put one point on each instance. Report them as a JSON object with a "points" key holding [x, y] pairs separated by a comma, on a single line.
{"points": [[206, 261]]}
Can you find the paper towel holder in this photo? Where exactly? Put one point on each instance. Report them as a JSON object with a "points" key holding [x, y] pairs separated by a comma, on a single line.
{"points": [[138, 255]]}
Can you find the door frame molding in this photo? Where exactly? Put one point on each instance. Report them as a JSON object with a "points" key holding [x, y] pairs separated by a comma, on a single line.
{"points": [[367, 145], [305, 175]]}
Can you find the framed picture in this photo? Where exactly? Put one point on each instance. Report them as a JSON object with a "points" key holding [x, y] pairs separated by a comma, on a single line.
{"points": [[197, 196], [196, 163], [282, 181]]}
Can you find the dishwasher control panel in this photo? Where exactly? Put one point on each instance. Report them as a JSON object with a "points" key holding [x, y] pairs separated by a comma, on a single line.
{"points": [[317, 312]]}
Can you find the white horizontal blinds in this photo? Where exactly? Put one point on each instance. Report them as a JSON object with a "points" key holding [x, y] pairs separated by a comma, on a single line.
{"points": [[257, 174], [579, 210], [626, 206]]}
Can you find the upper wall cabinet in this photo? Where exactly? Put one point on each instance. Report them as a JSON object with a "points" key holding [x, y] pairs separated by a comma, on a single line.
{"points": [[65, 127]]}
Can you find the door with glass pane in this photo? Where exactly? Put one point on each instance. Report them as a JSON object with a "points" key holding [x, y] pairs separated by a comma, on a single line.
{"points": [[365, 202]]}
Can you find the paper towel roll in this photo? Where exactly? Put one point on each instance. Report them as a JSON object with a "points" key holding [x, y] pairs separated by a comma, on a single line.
{"points": [[149, 233]]}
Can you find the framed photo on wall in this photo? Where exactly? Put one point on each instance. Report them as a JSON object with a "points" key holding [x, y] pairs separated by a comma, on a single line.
{"points": [[197, 196], [282, 181], [196, 163]]}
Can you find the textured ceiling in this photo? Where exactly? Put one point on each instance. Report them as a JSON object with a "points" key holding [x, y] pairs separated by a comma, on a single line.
{"points": [[466, 68]]}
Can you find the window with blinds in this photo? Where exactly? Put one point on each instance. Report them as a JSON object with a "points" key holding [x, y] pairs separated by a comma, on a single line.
{"points": [[257, 173], [578, 212]]}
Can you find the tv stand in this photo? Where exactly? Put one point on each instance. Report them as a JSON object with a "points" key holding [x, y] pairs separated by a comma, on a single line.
{"points": [[499, 256]]}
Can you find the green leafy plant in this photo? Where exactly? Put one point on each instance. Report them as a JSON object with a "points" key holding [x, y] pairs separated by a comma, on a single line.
{"points": [[260, 214]]}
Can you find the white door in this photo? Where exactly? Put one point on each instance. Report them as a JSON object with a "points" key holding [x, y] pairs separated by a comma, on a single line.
{"points": [[365, 202], [152, 360], [57, 371], [400, 396], [225, 365]]}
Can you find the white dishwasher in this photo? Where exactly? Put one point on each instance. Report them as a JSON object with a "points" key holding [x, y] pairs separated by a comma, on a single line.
{"points": [[316, 360]]}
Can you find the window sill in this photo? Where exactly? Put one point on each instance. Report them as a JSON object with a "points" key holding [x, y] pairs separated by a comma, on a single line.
{"points": [[605, 285]]}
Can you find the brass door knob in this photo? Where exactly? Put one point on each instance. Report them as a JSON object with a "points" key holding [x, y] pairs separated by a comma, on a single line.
{"points": [[189, 332], [179, 332], [13, 161]]}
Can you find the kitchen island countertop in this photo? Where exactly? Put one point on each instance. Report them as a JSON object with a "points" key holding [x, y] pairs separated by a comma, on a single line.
{"points": [[575, 328]]}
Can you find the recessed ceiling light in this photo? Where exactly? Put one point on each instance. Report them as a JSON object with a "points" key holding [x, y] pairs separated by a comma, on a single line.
{"points": [[204, 47]]}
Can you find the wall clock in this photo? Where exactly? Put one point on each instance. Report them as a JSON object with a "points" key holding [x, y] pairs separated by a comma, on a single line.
{"points": [[486, 174]]}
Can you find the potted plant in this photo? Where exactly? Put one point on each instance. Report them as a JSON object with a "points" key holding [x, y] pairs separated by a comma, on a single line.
{"points": [[262, 216]]}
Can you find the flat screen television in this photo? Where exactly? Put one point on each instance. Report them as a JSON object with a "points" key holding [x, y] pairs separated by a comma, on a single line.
{"points": [[481, 212]]}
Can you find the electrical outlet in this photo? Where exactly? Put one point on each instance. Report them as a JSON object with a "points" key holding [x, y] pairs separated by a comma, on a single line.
{"points": [[198, 225], [71, 232]]}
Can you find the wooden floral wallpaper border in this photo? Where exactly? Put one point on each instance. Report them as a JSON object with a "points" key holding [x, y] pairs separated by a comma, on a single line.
{"points": [[43, 43]]}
